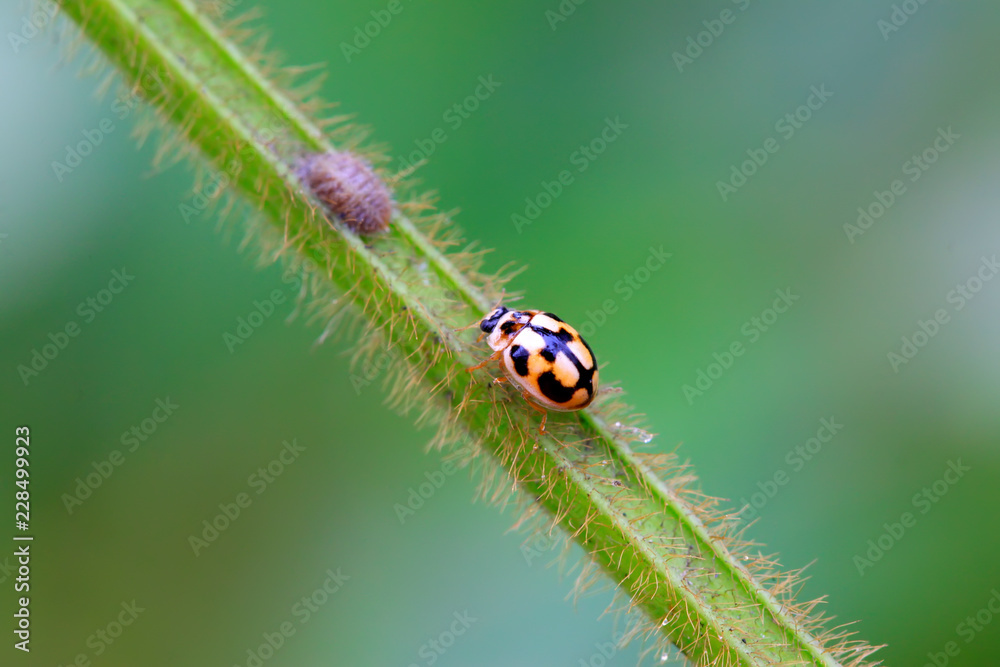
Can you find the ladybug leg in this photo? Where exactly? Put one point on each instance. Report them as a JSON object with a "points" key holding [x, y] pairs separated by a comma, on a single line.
{"points": [[537, 408], [492, 357], [501, 379], [479, 338], [468, 326]]}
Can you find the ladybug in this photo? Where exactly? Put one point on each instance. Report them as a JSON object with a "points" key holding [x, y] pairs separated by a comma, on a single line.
{"points": [[545, 358]]}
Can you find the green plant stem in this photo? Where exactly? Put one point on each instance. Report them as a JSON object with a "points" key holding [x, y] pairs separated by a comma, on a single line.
{"points": [[654, 540]]}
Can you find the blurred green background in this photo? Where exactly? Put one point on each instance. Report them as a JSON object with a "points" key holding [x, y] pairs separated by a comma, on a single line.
{"points": [[688, 124]]}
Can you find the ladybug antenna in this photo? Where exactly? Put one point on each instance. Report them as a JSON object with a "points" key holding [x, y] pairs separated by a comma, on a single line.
{"points": [[491, 310], [503, 292]]}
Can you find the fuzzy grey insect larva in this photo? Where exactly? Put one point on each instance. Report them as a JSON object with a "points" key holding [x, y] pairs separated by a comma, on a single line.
{"points": [[349, 188]]}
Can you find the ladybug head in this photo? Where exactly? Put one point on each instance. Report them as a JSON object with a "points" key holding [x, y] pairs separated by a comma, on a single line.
{"points": [[489, 323]]}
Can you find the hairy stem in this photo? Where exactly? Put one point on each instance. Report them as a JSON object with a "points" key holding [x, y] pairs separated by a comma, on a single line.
{"points": [[669, 551]]}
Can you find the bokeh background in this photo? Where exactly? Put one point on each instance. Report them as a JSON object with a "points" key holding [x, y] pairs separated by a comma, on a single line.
{"points": [[688, 124]]}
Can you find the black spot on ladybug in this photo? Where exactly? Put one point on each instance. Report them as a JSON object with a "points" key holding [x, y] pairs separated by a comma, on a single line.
{"points": [[565, 334], [552, 316], [553, 389], [555, 342], [586, 380], [508, 327], [519, 356]]}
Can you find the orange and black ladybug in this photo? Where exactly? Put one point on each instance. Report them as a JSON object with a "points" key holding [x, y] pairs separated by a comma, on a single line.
{"points": [[543, 356]]}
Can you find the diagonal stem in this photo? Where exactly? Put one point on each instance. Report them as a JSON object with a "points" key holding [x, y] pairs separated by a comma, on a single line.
{"points": [[666, 547]]}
